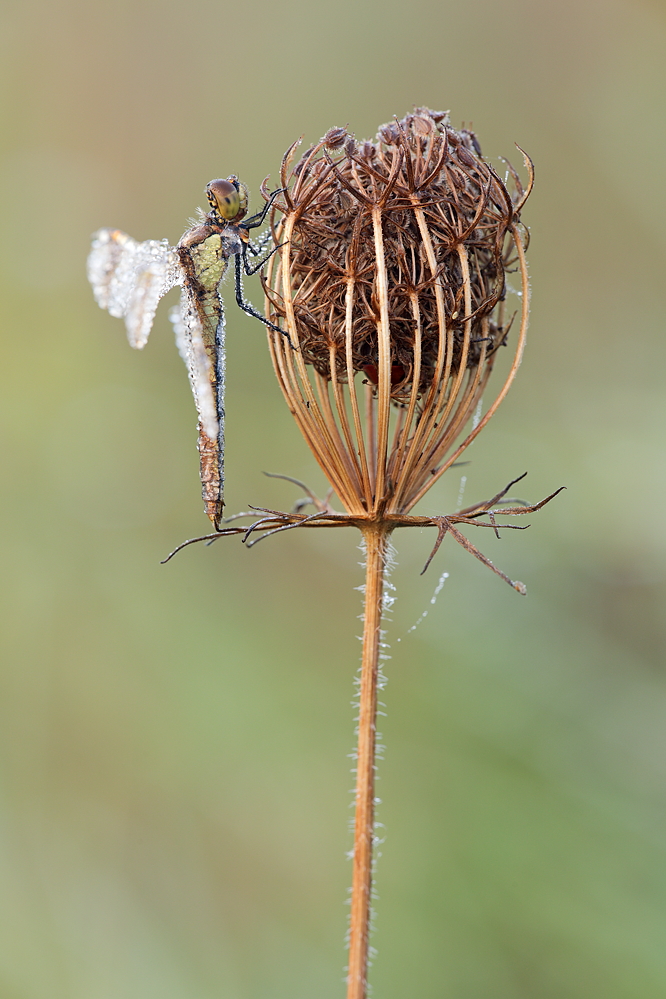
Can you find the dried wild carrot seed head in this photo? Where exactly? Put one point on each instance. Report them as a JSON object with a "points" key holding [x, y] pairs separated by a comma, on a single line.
{"points": [[391, 285]]}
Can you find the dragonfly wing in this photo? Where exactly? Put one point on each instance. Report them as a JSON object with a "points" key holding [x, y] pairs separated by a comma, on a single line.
{"points": [[157, 271], [190, 343], [129, 278], [209, 399]]}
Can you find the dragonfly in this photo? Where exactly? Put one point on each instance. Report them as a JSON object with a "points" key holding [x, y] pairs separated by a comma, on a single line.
{"points": [[129, 278]]}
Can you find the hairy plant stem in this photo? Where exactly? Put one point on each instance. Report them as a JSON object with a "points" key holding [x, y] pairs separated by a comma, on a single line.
{"points": [[376, 538]]}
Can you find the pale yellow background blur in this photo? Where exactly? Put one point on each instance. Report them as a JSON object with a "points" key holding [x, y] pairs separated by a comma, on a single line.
{"points": [[174, 739]]}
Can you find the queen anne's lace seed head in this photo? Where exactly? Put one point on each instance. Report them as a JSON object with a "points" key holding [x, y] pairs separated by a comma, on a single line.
{"points": [[391, 284], [389, 287]]}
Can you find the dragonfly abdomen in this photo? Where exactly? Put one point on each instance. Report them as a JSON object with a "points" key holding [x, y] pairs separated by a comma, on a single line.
{"points": [[205, 260], [211, 310]]}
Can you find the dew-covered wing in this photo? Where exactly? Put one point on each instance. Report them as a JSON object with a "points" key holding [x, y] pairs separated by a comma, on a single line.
{"points": [[129, 278], [190, 343], [205, 366]]}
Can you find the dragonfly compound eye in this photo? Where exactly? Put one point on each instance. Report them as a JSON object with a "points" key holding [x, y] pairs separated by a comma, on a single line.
{"points": [[224, 198]]}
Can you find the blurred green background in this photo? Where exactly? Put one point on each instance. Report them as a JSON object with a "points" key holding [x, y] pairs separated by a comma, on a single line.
{"points": [[175, 797]]}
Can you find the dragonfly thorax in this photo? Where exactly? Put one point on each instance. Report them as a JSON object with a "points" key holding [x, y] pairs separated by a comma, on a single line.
{"points": [[209, 260], [228, 199]]}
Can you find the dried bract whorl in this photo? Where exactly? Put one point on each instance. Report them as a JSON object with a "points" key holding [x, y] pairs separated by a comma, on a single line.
{"points": [[391, 284]]}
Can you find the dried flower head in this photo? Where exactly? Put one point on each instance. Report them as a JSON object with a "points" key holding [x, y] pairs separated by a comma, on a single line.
{"points": [[391, 285]]}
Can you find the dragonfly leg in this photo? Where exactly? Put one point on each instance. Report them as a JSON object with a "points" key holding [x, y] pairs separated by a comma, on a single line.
{"points": [[253, 270], [247, 306], [256, 220]]}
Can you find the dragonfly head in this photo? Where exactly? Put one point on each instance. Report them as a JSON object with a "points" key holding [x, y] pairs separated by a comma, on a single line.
{"points": [[228, 198]]}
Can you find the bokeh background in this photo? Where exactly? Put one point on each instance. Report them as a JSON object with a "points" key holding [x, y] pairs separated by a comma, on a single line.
{"points": [[175, 800]]}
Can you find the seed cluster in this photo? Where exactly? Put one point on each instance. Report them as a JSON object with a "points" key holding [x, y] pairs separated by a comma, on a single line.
{"points": [[445, 216]]}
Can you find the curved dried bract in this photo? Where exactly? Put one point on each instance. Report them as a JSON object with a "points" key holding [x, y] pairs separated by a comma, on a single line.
{"points": [[391, 284]]}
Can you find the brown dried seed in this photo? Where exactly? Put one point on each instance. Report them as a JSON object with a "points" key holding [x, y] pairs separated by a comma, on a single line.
{"points": [[335, 137]]}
